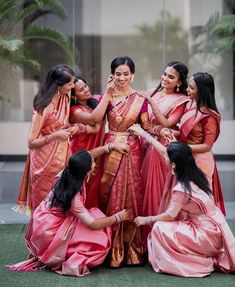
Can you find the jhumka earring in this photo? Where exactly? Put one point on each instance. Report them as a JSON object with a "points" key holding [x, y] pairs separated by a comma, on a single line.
{"points": [[177, 89]]}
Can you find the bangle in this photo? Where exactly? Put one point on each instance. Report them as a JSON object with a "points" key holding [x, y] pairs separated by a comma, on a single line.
{"points": [[148, 220], [148, 138], [118, 217], [107, 148], [46, 138]]}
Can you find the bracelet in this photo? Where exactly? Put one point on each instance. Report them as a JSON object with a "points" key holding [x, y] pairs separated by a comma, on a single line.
{"points": [[106, 148], [46, 138], [148, 220], [149, 138], [118, 217]]}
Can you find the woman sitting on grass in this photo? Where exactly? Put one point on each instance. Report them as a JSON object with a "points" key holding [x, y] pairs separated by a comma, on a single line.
{"points": [[62, 234], [191, 238]]}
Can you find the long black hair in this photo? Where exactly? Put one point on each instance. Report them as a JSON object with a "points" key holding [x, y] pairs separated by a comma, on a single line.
{"points": [[71, 180], [57, 76], [206, 91], [122, 60], [92, 102], [186, 170], [182, 69]]}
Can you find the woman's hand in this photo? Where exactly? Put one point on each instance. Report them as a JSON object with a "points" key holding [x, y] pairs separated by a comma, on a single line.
{"points": [[124, 215], [140, 220], [122, 147], [63, 134], [145, 96], [136, 129], [73, 130], [110, 88], [168, 134]]}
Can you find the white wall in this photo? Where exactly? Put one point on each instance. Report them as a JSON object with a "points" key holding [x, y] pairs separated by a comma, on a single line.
{"points": [[13, 138]]}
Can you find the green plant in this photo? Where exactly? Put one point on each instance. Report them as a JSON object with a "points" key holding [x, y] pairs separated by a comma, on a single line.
{"points": [[224, 29], [17, 26]]}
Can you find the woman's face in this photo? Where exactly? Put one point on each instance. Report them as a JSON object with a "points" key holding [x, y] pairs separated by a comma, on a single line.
{"points": [[82, 91], [123, 76], [170, 79], [66, 88], [192, 90]]}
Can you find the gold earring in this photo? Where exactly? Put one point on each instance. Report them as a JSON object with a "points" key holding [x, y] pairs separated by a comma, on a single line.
{"points": [[178, 89]]}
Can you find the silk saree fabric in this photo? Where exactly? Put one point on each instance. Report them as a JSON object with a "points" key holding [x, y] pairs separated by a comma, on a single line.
{"points": [[197, 242], [44, 163], [120, 180], [155, 169], [63, 242], [88, 141], [196, 129]]}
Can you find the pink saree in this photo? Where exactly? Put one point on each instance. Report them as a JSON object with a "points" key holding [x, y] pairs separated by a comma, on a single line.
{"points": [[197, 242], [63, 242], [121, 182], [195, 131], [44, 163], [154, 169]]}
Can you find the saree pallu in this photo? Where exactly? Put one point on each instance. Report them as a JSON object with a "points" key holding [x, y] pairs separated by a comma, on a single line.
{"points": [[155, 169], [44, 163], [121, 182], [196, 243]]}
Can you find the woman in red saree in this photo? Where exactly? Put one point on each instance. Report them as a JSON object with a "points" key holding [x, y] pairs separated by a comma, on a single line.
{"points": [[199, 128], [166, 107], [48, 137], [83, 103], [190, 238], [62, 234], [120, 180]]}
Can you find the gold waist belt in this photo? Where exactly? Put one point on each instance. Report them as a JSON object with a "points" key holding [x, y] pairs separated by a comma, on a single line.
{"points": [[119, 133]]}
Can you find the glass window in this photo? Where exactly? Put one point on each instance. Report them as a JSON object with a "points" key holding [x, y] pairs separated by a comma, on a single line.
{"points": [[151, 32]]}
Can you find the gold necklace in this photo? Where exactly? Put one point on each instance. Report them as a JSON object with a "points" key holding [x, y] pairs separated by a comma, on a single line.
{"points": [[118, 117]]}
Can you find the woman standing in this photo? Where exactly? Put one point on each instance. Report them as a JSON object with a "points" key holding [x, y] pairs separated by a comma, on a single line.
{"points": [[191, 238], [82, 105], [48, 137], [200, 128], [121, 183], [166, 107], [62, 234]]}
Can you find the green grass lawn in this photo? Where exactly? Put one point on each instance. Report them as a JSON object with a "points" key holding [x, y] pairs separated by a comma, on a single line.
{"points": [[13, 250]]}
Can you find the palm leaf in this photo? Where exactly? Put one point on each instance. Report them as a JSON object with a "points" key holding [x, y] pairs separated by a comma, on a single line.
{"points": [[10, 45], [225, 26], [18, 58], [40, 32], [36, 9], [8, 7], [225, 44]]}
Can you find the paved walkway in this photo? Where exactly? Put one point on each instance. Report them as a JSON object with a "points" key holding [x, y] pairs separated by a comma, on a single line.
{"points": [[8, 216]]}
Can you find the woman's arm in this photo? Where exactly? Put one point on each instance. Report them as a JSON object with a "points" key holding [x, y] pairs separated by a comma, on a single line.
{"points": [[157, 145], [120, 147], [35, 140], [98, 223], [210, 133], [98, 113], [170, 214]]}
